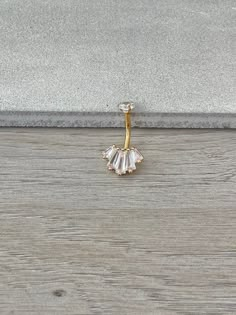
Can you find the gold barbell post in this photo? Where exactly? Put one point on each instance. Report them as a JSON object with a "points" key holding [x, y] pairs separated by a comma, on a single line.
{"points": [[127, 130], [126, 108]]}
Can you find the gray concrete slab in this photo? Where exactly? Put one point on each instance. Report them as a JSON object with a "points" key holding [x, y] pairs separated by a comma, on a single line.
{"points": [[77, 60]]}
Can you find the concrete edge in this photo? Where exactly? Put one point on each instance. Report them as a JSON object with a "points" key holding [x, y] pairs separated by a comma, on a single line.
{"points": [[103, 120]]}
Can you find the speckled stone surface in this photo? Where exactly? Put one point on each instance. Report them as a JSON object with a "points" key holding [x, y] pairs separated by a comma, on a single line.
{"points": [[69, 63]]}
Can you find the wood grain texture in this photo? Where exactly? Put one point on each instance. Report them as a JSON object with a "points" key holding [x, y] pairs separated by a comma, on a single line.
{"points": [[76, 239]]}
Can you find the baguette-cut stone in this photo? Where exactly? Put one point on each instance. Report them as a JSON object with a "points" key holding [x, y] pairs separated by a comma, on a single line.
{"points": [[124, 167], [111, 153], [120, 163], [138, 155], [117, 161], [110, 164], [131, 164], [107, 152]]}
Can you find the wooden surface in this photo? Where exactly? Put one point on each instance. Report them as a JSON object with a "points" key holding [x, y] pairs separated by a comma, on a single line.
{"points": [[76, 239]]}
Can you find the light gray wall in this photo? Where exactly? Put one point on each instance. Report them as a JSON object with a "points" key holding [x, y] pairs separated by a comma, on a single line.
{"points": [[86, 56]]}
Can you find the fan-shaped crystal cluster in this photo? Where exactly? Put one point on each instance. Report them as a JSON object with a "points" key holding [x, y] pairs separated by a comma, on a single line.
{"points": [[122, 160]]}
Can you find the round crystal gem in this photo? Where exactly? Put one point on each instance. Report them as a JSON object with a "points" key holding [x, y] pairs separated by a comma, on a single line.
{"points": [[126, 106]]}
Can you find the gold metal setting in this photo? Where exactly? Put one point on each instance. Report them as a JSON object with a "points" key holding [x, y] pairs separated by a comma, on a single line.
{"points": [[123, 160], [128, 130]]}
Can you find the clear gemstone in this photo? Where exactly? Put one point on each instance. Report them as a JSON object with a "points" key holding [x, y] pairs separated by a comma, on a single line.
{"points": [[106, 152], [124, 167], [110, 164], [120, 163], [138, 155], [131, 161], [117, 161], [126, 106], [111, 153]]}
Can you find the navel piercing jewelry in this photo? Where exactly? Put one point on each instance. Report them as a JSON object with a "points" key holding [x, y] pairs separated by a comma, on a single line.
{"points": [[123, 160]]}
